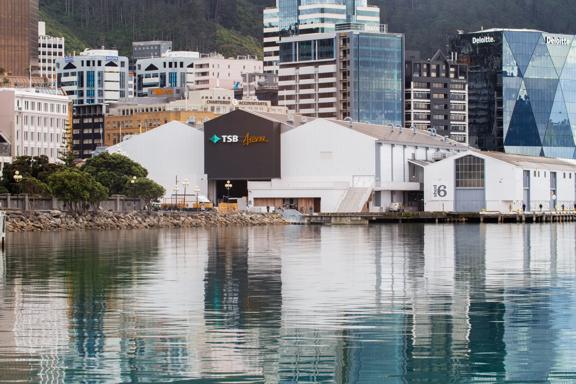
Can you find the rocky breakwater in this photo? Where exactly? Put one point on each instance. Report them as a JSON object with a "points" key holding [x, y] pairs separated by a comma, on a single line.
{"points": [[62, 221]]}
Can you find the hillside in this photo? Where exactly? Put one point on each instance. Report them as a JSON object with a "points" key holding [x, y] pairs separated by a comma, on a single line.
{"points": [[235, 26]]}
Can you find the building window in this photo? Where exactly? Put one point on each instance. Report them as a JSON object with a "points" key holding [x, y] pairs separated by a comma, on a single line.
{"points": [[469, 172]]}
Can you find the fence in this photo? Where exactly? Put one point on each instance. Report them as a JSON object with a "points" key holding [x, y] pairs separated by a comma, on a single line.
{"points": [[116, 203]]}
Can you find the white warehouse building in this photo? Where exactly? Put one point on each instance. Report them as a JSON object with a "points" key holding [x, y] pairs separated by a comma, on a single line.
{"points": [[474, 181]]}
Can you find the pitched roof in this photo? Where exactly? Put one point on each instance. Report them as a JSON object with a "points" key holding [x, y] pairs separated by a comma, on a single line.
{"points": [[532, 162]]}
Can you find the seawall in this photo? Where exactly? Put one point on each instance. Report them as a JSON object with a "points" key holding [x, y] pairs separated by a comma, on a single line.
{"points": [[62, 221]]}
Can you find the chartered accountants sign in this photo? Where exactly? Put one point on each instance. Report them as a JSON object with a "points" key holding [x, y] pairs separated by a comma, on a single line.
{"points": [[242, 146]]}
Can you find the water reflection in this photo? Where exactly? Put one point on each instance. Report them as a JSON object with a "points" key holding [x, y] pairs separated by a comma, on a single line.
{"points": [[394, 304]]}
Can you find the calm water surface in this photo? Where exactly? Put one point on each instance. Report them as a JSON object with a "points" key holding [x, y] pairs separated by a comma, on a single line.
{"points": [[379, 304]]}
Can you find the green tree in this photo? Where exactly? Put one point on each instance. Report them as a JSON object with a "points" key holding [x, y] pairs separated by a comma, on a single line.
{"points": [[145, 189], [38, 168], [77, 189], [113, 171], [33, 186]]}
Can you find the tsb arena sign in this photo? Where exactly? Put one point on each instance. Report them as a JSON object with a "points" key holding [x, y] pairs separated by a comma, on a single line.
{"points": [[242, 146], [246, 140]]}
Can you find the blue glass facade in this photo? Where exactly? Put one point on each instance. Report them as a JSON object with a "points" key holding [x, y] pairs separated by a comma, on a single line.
{"points": [[522, 88], [377, 78]]}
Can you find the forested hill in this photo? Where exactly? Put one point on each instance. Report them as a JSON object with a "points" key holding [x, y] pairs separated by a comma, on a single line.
{"points": [[235, 26]]}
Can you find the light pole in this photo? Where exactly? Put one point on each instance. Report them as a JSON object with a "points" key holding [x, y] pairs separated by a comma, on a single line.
{"points": [[185, 183], [176, 194], [18, 178], [228, 187], [197, 192]]}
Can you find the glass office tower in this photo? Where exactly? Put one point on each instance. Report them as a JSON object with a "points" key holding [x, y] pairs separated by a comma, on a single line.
{"points": [[376, 77], [522, 91]]}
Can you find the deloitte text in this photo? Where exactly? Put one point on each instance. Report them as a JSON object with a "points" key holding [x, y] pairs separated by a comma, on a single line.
{"points": [[483, 40]]}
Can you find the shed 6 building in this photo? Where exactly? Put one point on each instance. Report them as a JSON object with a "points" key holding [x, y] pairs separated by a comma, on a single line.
{"points": [[473, 181]]}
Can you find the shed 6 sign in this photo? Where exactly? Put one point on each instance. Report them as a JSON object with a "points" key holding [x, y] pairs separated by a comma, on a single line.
{"points": [[440, 191]]}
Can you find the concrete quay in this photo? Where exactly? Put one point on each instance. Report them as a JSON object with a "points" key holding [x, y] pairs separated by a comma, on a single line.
{"points": [[437, 217]]}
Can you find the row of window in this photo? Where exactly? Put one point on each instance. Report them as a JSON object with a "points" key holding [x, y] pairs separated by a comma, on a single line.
{"points": [[41, 107], [36, 121]]}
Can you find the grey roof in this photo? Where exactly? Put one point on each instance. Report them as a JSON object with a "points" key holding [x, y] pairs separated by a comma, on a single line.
{"points": [[383, 133], [406, 136], [532, 162], [507, 30]]}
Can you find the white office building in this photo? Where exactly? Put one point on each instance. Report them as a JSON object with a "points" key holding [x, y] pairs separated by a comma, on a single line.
{"points": [[183, 71], [34, 121], [474, 181], [171, 70], [50, 49], [95, 76]]}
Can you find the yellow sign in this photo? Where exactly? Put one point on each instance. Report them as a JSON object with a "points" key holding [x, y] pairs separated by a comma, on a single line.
{"points": [[249, 139]]}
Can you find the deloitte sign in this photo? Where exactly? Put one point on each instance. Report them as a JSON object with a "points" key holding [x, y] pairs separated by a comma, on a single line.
{"points": [[483, 40]]}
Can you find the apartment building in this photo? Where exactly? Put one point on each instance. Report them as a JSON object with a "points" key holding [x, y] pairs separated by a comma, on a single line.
{"points": [[300, 17], [96, 76], [436, 93], [34, 121], [50, 49], [87, 129]]}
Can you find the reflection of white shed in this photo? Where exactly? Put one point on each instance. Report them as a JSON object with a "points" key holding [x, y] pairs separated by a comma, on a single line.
{"points": [[171, 152], [473, 181]]}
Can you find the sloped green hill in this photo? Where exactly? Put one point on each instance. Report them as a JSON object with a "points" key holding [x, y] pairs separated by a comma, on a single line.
{"points": [[235, 26]]}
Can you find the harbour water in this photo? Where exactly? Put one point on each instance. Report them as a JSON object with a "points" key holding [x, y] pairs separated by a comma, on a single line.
{"points": [[408, 303]]}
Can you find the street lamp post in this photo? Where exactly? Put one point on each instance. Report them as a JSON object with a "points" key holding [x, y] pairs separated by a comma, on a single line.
{"points": [[197, 192], [176, 194], [185, 183], [228, 187]]}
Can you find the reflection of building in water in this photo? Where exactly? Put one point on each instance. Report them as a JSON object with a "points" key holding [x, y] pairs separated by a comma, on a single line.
{"points": [[343, 306], [243, 300]]}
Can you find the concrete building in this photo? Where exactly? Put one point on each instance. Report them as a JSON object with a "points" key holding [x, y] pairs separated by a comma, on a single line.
{"points": [[181, 71], [172, 153], [87, 129], [174, 70], [493, 181], [293, 17], [260, 86], [95, 76], [50, 48], [436, 92], [150, 49], [19, 37], [522, 88], [34, 121], [355, 72], [119, 127], [317, 164]]}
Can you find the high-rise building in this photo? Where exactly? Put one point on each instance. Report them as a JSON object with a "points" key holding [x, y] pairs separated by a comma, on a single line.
{"points": [[436, 92], [34, 121], [19, 36], [299, 17], [50, 48], [522, 90], [356, 73], [94, 77]]}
